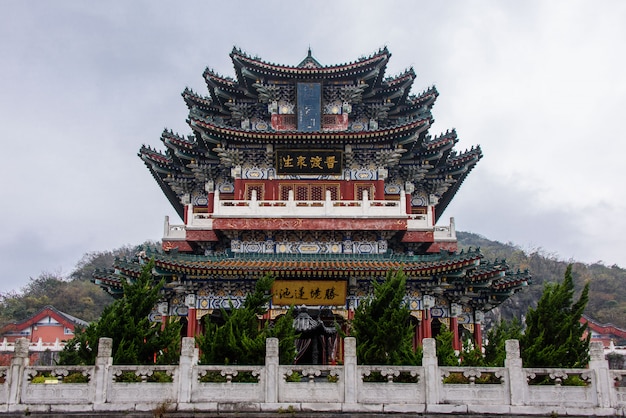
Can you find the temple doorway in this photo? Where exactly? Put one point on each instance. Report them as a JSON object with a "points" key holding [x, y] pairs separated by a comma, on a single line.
{"points": [[317, 342]]}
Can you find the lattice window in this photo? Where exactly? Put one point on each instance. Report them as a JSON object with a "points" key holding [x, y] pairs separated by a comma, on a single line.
{"points": [[260, 191], [334, 191], [302, 192], [317, 193], [359, 188], [284, 191], [331, 120]]}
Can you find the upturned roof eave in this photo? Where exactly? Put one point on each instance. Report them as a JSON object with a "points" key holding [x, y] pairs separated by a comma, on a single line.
{"points": [[243, 135], [347, 70]]}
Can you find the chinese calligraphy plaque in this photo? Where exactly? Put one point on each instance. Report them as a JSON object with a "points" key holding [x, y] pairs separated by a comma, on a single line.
{"points": [[305, 292], [309, 162]]}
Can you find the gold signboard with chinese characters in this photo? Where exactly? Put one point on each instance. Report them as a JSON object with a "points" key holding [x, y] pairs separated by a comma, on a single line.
{"points": [[308, 162], [305, 292]]}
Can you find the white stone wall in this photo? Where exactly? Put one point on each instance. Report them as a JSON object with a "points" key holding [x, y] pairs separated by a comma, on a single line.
{"points": [[345, 388]]}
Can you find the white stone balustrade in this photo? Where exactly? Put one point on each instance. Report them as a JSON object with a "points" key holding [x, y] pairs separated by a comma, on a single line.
{"points": [[173, 232], [292, 208], [37, 346], [426, 389], [321, 209]]}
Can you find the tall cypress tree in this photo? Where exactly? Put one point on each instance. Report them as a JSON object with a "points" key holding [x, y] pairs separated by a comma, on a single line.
{"points": [[445, 351], [126, 321], [495, 349], [381, 325], [240, 338], [554, 334]]}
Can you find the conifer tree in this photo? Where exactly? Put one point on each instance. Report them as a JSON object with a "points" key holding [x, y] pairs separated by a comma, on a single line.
{"points": [[240, 339], [445, 350], [554, 335], [471, 355], [126, 321], [381, 325], [495, 349]]}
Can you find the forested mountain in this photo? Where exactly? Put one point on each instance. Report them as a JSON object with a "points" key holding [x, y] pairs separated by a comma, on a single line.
{"points": [[607, 290], [77, 296]]}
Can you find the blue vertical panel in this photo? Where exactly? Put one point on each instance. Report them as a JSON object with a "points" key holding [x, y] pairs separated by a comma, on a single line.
{"points": [[309, 107]]}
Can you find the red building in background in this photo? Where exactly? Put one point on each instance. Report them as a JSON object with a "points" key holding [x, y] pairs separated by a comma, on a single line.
{"points": [[605, 333], [47, 331]]}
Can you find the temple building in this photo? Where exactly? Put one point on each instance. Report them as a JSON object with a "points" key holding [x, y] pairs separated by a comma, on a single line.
{"points": [[326, 177]]}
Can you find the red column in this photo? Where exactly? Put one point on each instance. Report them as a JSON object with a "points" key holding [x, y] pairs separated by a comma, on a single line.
{"points": [[163, 310], [478, 335], [350, 314], [191, 322], [478, 330], [210, 202], [238, 189], [271, 193], [348, 191], [379, 193], [408, 203], [454, 324], [418, 337], [427, 331]]}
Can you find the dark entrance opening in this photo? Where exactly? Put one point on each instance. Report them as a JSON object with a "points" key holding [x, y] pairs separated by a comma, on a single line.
{"points": [[317, 343]]}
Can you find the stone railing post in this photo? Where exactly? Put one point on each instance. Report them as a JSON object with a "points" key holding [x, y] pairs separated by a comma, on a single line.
{"points": [[104, 360], [188, 360], [350, 375], [432, 379], [604, 386], [518, 386], [271, 370], [16, 371]]}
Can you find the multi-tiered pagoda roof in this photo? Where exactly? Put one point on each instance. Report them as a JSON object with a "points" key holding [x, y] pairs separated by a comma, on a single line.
{"points": [[384, 116], [326, 177]]}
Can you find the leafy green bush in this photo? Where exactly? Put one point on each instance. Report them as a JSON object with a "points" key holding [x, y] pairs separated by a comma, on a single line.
{"points": [[488, 378], [39, 379], [455, 378], [160, 376], [545, 380], [76, 377], [245, 377], [294, 377], [213, 376], [405, 377], [374, 377], [575, 380], [458, 378], [128, 377]]}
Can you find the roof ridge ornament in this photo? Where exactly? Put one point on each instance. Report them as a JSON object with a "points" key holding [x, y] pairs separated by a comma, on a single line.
{"points": [[309, 61]]}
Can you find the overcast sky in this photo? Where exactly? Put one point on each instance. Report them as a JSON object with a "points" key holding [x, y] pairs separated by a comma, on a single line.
{"points": [[539, 85]]}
